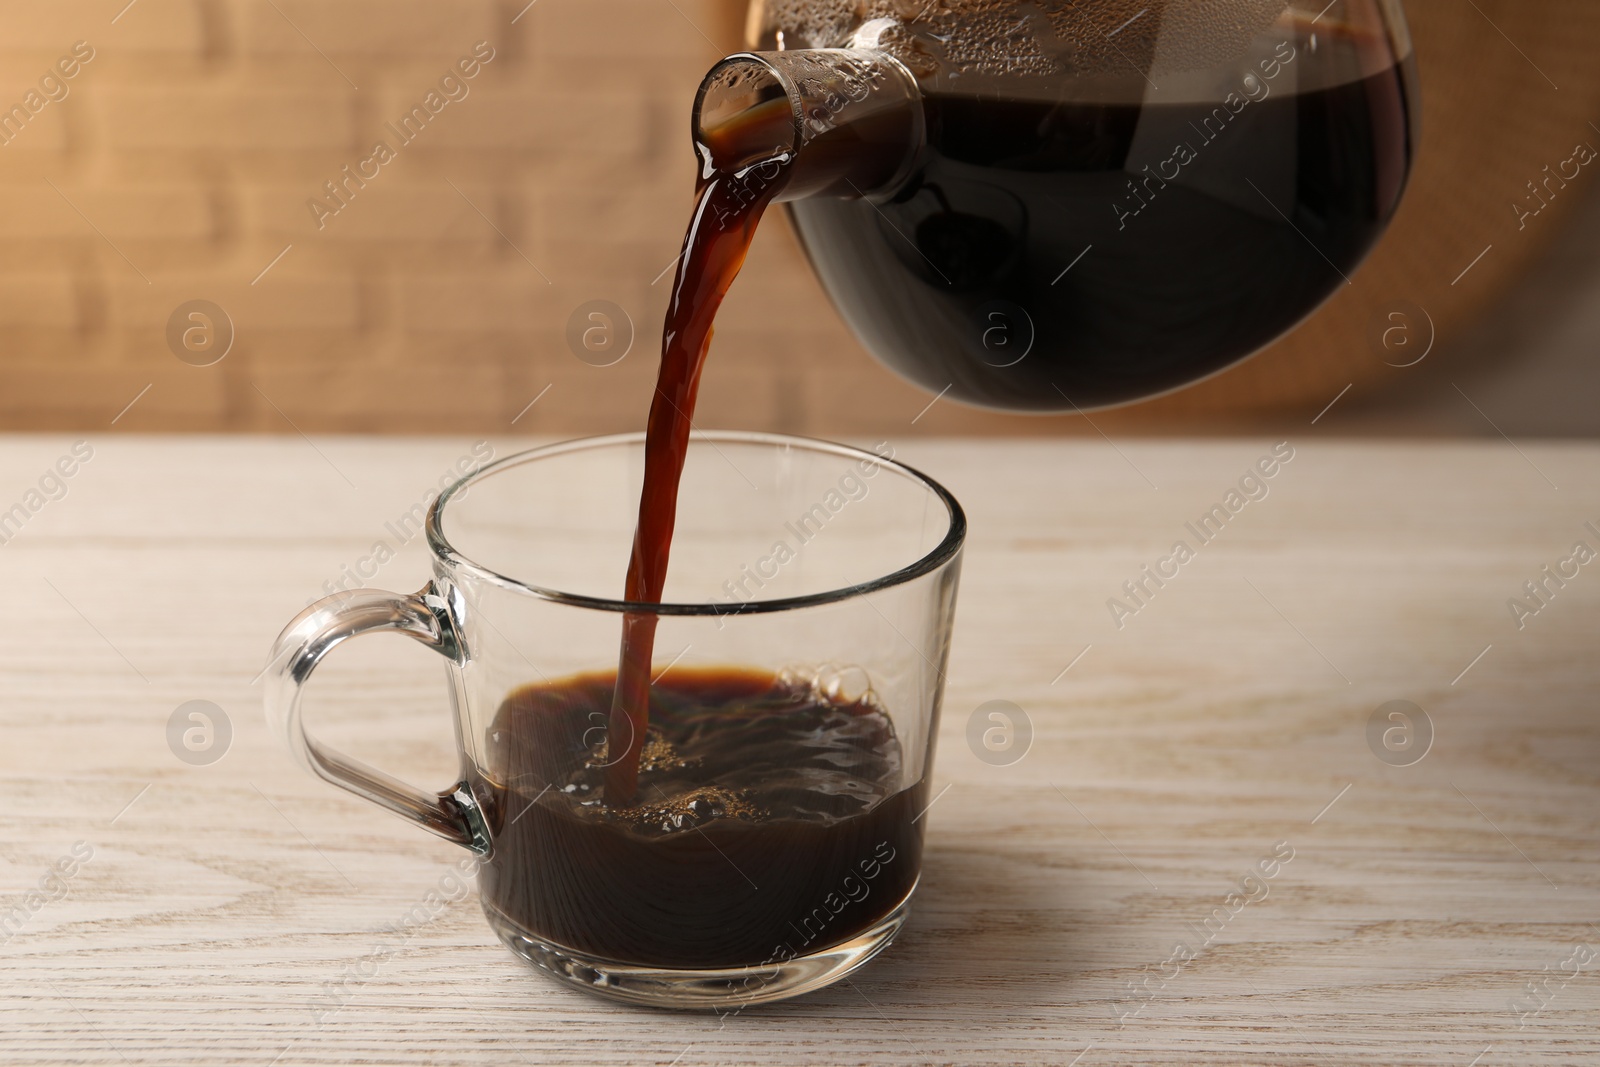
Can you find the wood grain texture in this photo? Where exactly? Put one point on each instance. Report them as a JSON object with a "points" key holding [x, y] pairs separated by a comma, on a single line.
{"points": [[222, 903]]}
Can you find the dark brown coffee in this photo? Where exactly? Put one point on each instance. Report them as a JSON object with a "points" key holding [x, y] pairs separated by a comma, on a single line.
{"points": [[1051, 255], [772, 820]]}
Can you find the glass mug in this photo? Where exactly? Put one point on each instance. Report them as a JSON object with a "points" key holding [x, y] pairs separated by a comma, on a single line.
{"points": [[776, 837]]}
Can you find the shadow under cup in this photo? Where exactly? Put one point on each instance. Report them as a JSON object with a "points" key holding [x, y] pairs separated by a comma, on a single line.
{"points": [[776, 836]]}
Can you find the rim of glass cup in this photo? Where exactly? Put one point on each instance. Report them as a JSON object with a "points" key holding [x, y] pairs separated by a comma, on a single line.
{"points": [[941, 554]]}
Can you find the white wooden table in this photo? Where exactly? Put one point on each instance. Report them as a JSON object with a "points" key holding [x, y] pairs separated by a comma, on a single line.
{"points": [[221, 903]]}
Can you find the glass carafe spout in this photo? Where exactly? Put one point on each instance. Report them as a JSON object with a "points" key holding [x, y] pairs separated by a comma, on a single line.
{"points": [[847, 121]]}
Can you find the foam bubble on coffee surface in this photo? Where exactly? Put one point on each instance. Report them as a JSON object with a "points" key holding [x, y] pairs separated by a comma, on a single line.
{"points": [[1036, 38], [688, 810], [830, 683]]}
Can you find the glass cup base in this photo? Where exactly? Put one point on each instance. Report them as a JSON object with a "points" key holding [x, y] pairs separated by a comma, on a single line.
{"points": [[701, 988]]}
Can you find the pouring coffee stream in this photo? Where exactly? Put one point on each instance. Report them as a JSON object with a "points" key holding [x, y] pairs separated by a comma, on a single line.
{"points": [[728, 208], [754, 149]]}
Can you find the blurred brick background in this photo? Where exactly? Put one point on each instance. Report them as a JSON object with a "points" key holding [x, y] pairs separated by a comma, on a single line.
{"points": [[193, 140], [180, 163]]}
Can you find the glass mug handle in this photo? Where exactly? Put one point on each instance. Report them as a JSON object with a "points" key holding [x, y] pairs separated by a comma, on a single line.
{"points": [[423, 616]]}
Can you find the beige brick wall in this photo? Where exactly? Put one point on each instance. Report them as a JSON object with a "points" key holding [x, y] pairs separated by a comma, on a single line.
{"points": [[180, 163]]}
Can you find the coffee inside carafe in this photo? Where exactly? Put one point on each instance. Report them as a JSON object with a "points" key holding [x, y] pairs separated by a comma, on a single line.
{"points": [[1109, 201]]}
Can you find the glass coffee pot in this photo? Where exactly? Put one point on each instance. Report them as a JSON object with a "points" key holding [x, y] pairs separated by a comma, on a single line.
{"points": [[1047, 206]]}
